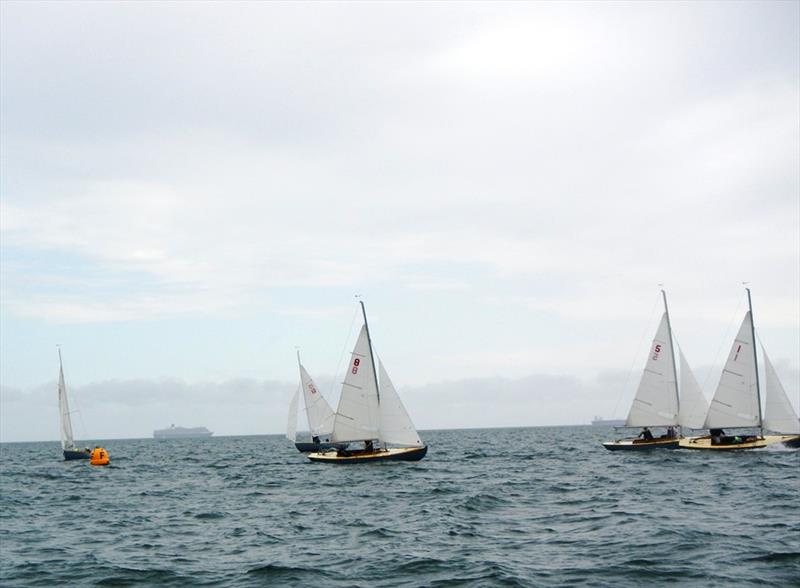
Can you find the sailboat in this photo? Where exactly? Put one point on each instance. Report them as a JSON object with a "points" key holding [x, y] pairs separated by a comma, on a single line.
{"points": [[318, 412], [657, 402], [71, 452], [370, 412], [737, 400]]}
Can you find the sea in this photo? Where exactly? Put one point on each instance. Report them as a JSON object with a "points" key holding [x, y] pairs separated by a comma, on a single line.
{"points": [[545, 506]]}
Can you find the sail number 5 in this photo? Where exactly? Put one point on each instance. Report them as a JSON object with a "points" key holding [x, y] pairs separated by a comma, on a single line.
{"points": [[656, 351]]}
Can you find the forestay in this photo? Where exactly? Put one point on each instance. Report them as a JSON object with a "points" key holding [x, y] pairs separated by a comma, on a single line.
{"points": [[395, 424], [735, 403], [779, 415], [357, 415], [693, 406], [656, 401]]}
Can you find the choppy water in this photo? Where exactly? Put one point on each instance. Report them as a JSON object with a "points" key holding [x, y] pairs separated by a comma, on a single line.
{"points": [[508, 507]]}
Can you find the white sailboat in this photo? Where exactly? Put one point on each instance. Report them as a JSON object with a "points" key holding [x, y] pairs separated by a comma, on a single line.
{"points": [[779, 415], [318, 413], [71, 452], [737, 400], [372, 413], [657, 402]]}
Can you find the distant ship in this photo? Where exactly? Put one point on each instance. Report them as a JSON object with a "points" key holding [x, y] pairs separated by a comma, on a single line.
{"points": [[181, 432], [600, 422]]}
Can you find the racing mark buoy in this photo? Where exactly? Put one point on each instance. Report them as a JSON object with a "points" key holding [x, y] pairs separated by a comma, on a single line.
{"points": [[99, 457]]}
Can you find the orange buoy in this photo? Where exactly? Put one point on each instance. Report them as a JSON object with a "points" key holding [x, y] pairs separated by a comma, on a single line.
{"points": [[99, 457]]}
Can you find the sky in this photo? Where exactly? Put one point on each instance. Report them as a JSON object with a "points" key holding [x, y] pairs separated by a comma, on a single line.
{"points": [[191, 192]]}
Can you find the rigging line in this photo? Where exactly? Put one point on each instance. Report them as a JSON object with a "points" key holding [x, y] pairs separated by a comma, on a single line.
{"points": [[341, 355], [624, 389], [723, 342]]}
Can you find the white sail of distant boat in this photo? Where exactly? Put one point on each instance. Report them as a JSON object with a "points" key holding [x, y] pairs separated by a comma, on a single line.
{"points": [[736, 400], [395, 425], [779, 415], [656, 400], [291, 426], [693, 405], [320, 414], [67, 439], [357, 416]]}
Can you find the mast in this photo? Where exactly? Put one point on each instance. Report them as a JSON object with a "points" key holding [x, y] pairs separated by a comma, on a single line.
{"points": [[672, 351], [371, 355], [755, 359]]}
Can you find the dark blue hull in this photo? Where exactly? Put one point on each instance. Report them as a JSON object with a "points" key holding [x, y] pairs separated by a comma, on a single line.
{"points": [[311, 447], [72, 454]]}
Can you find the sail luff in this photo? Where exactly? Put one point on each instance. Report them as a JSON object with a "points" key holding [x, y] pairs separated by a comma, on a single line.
{"points": [[755, 361], [672, 351]]}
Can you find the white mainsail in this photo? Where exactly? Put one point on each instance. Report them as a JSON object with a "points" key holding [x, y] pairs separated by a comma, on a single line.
{"points": [[395, 424], [67, 440], [291, 426], [693, 408], [779, 415], [320, 414], [357, 416], [656, 401], [735, 403]]}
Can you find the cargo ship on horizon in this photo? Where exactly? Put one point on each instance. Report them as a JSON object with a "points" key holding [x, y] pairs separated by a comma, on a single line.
{"points": [[174, 432]]}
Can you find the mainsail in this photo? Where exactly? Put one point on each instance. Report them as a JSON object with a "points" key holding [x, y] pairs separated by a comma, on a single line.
{"points": [[694, 406], [735, 403], [779, 415], [395, 424], [357, 415], [67, 440], [320, 415], [656, 401]]}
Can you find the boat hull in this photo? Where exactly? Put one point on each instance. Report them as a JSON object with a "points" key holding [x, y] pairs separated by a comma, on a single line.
{"points": [[74, 454], [792, 441], [311, 447], [730, 443], [381, 455], [641, 444]]}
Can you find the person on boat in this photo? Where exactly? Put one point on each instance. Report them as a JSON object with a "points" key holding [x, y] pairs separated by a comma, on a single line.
{"points": [[315, 439], [368, 446], [716, 436], [670, 433], [645, 434]]}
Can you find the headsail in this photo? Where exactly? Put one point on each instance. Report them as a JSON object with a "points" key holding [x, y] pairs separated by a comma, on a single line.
{"points": [[357, 415], [694, 406], [656, 401], [735, 403], [291, 425], [779, 415], [67, 440], [395, 424], [320, 414]]}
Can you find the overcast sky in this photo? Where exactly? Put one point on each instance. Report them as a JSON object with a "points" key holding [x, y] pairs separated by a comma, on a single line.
{"points": [[190, 191]]}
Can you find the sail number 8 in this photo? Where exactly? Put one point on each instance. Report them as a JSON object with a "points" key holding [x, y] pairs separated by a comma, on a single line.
{"points": [[356, 363]]}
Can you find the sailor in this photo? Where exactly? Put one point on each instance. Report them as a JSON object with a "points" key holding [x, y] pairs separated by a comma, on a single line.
{"points": [[645, 434], [368, 446], [315, 439], [671, 432]]}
